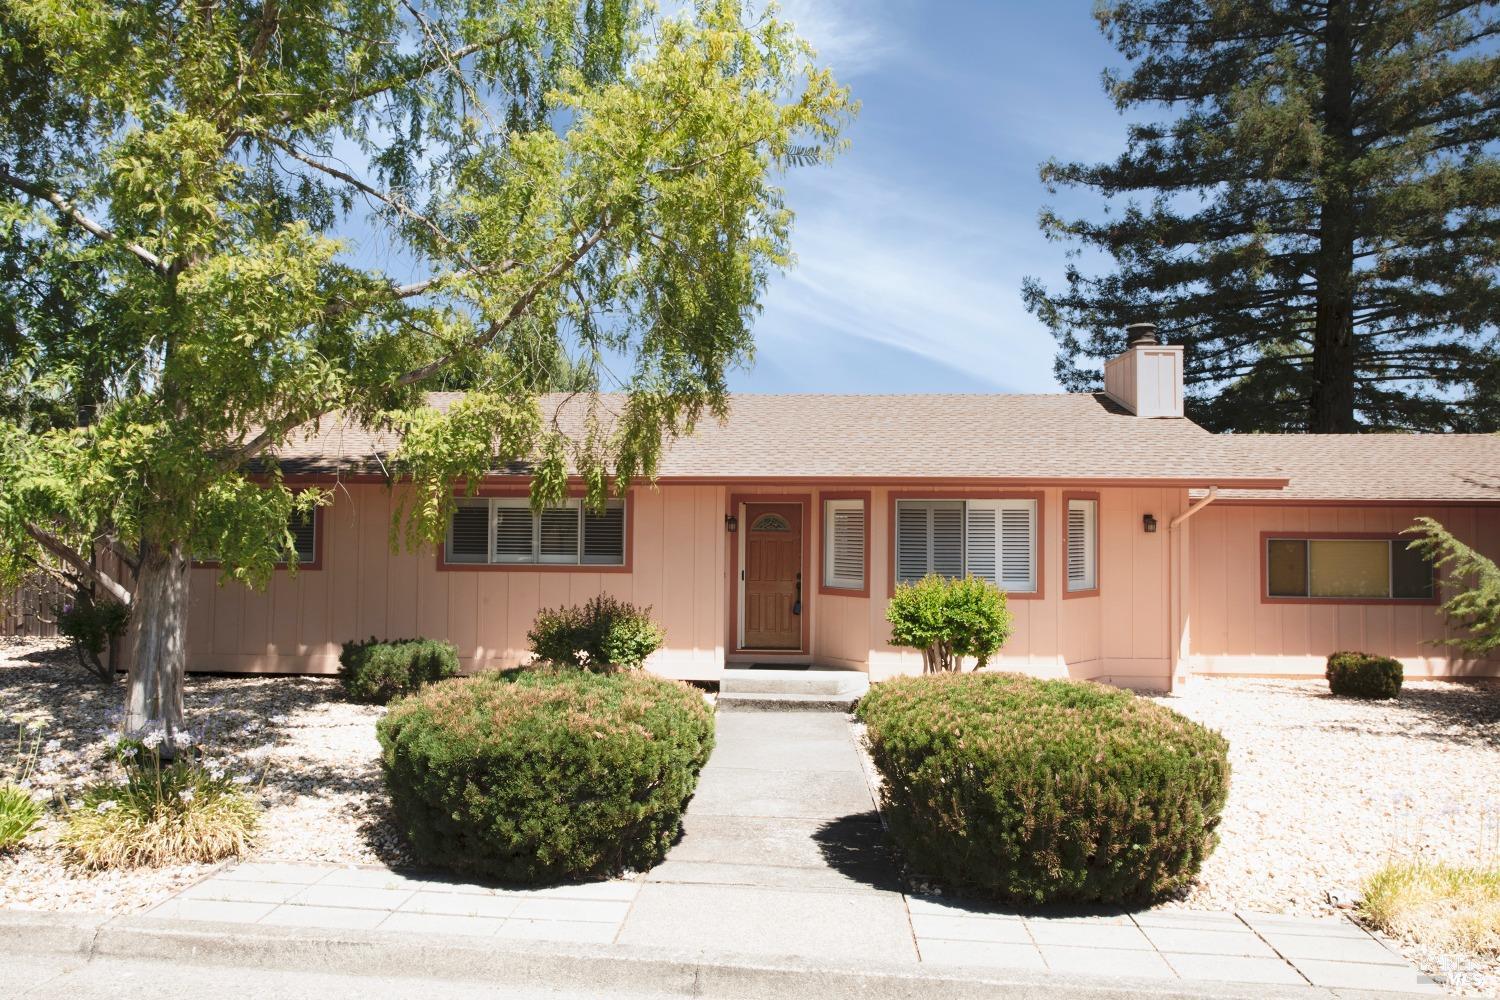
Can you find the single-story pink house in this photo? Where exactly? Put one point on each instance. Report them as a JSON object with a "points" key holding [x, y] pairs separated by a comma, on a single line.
{"points": [[1136, 547]]}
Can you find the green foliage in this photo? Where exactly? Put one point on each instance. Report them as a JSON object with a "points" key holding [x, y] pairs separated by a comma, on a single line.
{"points": [[1308, 201], [1475, 604], [376, 671], [1038, 791], [1361, 675], [949, 619], [95, 628], [184, 285], [186, 811], [603, 634], [20, 813], [543, 775]]}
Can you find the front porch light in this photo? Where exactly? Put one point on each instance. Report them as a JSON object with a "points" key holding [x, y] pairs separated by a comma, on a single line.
{"points": [[1148, 521], [731, 523]]}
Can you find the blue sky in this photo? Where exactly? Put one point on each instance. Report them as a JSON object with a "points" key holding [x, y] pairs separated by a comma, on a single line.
{"points": [[911, 248]]}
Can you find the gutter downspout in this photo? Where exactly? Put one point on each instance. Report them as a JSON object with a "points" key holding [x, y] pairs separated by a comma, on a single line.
{"points": [[1177, 605]]}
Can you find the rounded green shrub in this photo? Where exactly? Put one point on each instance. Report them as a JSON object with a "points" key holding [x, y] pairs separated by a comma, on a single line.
{"points": [[1361, 675], [1035, 791], [949, 619], [603, 634], [376, 672], [538, 776]]}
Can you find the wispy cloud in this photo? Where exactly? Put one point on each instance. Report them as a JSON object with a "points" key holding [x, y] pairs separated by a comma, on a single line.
{"points": [[893, 265], [850, 37]]}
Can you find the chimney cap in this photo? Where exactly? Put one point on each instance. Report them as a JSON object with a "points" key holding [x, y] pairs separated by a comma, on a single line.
{"points": [[1141, 334]]}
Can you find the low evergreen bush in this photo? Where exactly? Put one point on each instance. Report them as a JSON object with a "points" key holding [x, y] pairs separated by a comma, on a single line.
{"points": [[542, 775], [949, 619], [377, 671], [1036, 791], [1361, 675], [603, 634]]}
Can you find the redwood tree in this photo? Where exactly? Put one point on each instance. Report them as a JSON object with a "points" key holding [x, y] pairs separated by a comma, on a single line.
{"points": [[1309, 201], [215, 187]]}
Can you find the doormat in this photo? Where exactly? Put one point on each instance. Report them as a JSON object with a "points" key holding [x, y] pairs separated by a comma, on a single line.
{"points": [[780, 666]]}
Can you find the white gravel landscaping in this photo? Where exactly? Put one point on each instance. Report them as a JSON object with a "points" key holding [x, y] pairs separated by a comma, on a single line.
{"points": [[1325, 790], [313, 757]]}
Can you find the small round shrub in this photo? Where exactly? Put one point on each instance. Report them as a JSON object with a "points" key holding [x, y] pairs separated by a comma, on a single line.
{"points": [[543, 775], [185, 811], [949, 619], [603, 634], [95, 628], [376, 672], [1033, 791], [1361, 675], [19, 815]]}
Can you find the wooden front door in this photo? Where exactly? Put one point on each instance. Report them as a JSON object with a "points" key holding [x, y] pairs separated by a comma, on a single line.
{"points": [[773, 576]]}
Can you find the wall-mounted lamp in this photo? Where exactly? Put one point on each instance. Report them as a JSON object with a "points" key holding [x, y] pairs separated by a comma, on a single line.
{"points": [[1148, 521], [731, 523]]}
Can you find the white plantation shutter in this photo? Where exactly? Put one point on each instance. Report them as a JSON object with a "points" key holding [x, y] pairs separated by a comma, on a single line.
{"points": [[559, 534], [1083, 516], [1018, 545], [604, 535], [844, 544], [929, 539], [982, 555], [469, 532], [304, 529], [948, 540], [913, 533], [515, 531]]}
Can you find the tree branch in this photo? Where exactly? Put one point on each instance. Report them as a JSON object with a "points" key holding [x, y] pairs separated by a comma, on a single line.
{"points": [[59, 548], [70, 210], [517, 308]]}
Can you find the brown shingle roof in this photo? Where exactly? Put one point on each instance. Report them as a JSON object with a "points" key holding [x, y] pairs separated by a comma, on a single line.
{"points": [[1058, 437], [1383, 467]]}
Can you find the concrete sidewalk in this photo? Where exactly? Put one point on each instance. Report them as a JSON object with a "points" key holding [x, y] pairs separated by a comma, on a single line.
{"points": [[783, 856]]}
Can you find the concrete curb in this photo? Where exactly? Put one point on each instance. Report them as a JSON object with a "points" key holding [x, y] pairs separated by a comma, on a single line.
{"points": [[604, 970]]}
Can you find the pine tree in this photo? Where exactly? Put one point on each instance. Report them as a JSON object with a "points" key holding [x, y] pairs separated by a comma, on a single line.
{"points": [[1311, 206]]}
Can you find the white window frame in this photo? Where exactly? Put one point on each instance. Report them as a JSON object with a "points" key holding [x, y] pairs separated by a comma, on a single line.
{"points": [[832, 580], [1089, 583], [536, 557], [972, 506]]}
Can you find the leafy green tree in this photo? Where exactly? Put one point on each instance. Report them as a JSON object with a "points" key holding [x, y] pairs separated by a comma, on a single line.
{"points": [[1475, 607], [1310, 202], [209, 183]]}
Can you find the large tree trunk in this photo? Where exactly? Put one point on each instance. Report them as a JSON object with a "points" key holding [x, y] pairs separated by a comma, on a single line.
{"points": [[158, 634], [1331, 408]]}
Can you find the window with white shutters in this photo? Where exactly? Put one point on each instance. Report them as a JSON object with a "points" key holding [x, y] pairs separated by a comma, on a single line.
{"points": [[1083, 545], [604, 535], [508, 531], [469, 532], [991, 539], [844, 544]]}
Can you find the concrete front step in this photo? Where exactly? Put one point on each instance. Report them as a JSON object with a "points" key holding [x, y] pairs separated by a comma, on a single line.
{"points": [[753, 701], [851, 683], [791, 690]]}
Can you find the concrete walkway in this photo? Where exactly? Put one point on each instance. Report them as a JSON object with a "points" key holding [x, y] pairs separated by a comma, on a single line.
{"points": [[782, 855]]}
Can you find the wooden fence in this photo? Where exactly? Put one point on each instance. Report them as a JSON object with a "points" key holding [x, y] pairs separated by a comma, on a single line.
{"points": [[31, 609]]}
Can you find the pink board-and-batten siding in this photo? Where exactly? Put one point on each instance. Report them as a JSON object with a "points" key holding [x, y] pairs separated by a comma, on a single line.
{"points": [[1235, 630], [680, 566], [1131, 632]]}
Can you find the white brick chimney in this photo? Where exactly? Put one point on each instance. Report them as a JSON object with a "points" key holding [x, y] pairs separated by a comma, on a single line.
{"points": [[1147, 378]]}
